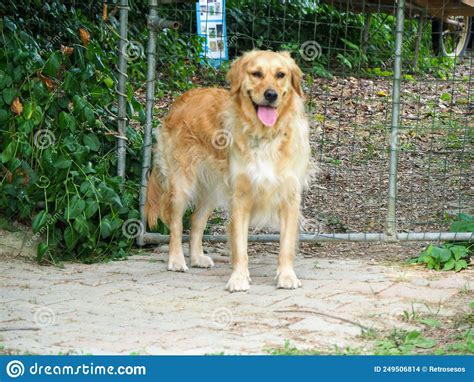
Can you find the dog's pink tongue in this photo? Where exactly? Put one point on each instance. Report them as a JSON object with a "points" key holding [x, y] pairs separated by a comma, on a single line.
{"points": [[267, 115]]}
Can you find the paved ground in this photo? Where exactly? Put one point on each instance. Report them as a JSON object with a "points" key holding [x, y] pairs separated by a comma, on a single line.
{"points": [[137, 306]]}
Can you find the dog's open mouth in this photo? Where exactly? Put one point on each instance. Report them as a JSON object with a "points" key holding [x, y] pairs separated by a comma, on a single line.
{"points": [[266, 114]]}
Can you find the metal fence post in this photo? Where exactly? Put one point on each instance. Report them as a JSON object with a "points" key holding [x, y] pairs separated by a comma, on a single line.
{"points": [[391, 218], [121, 90], [150, 95]]}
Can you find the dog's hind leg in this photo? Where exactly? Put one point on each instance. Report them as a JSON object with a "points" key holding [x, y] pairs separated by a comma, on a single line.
{"points": [[178, 202], [198, 224]]}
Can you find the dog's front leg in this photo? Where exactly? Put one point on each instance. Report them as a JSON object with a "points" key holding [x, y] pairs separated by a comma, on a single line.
{"points": [[289, 216], [241, 207]]}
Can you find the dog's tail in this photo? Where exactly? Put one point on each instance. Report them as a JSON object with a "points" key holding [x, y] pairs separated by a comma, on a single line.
{"points": [[154, 196]]}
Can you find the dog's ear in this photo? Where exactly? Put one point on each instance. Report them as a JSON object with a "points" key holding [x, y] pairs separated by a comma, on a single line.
{"points": [[296, 73], [236, 75]]}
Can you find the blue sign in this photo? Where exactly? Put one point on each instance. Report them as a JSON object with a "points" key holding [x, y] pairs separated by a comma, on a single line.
{"points": [[237, 368], [211, 25]]}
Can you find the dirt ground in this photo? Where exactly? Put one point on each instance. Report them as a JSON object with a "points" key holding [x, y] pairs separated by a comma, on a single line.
{"points": [[136, 306]]}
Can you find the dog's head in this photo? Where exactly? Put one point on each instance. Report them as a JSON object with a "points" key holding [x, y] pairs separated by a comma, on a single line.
{"points": [[265, 81]]}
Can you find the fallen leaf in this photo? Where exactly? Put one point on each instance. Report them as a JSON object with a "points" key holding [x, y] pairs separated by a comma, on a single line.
{"points": [[381, 93], [66, 50], [17, 106], [47, 81], [85, 36], [9, 176], [105, 15], [26, 177]]}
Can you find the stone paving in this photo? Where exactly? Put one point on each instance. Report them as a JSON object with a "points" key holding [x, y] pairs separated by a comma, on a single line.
{"points": [[136, 306]]}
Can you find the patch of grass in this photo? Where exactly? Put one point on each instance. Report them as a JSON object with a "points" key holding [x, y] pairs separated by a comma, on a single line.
{"points": [[289, 349], [462, 344], [369, 334], [403, 342], [466, 319], [466, 289], [409, 316], [335, 161], [430, 322], [451, 255], [436, 335]]}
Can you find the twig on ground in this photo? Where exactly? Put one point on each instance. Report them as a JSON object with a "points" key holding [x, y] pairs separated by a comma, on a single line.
{"points": [[17, 329], [322, 314]]}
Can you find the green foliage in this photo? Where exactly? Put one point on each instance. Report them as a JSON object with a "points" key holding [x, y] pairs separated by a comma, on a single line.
{"points": [[289, 349], [402, 342], [446, 257], [378, 72], [464, 344], [58, 158], [344, 45], [353, 56], [463, 223], [287, 25], [181, 62], [450, 256]]}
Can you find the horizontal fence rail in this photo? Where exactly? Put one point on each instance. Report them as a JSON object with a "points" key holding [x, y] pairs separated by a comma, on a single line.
{"points": [[157, 238]]}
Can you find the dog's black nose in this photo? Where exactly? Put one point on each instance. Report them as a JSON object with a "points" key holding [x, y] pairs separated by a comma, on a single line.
{"points": [[270, 95]]}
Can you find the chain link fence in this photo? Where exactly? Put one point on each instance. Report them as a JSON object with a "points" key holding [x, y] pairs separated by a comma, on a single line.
{"points": [[389, 88]]}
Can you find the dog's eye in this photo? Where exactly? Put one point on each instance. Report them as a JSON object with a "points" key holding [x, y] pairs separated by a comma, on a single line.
{"points": [[257, 74], [280, 75]]}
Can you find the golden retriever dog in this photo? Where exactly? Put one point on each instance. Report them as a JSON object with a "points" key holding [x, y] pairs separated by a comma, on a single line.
{"points": [[247, 150]]}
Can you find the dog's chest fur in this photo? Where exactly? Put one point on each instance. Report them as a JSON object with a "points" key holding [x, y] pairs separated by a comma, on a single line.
{"points": [[275, 167], [260, 165]]}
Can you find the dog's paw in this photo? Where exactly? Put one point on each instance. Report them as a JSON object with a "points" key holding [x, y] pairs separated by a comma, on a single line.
{"points": [[238, 282], [287, 279], [202, 262], [177, 264]]}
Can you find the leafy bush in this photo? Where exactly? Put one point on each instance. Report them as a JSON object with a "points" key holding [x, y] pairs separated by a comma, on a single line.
{"points": [[58, 158], [287, 25], [58, 107], [446, 257], [450, 256]]}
